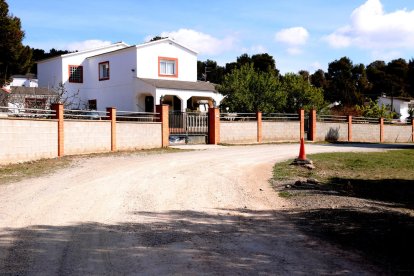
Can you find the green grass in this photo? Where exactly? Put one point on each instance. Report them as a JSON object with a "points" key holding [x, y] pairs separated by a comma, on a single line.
{"points": [[386, 176], [396, 164]]}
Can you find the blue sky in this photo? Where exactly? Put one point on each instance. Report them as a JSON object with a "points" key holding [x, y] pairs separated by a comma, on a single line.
{"points": [[299, 34]]}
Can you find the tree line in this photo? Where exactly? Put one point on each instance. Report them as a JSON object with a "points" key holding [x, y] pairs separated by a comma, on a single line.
{"points": [[346, 83], [250, 83]]}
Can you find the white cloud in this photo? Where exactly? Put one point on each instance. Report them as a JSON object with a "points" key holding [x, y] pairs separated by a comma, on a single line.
{"points": [[255, 49], [86, 45], [201, 42], [294, 51], [293, 36], [371, 27]]}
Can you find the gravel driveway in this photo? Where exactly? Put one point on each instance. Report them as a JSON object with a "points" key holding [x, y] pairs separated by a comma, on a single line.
{"points": [[198, 212]]}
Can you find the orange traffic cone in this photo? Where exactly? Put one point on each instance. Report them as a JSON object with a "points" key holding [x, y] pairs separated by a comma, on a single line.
{"points": [[302, 154], [301, 160]]}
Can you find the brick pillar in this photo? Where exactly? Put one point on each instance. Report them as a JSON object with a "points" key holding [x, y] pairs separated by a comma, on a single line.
{"points": [[312, 125], [302, 123], [381, 121], [58, 108], [349, 128], [213, 126], [259, 126], [163, 110], [412, 129], [112, 117]]}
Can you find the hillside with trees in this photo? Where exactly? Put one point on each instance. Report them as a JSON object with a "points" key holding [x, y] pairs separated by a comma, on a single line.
{"points": [[250, 83]]}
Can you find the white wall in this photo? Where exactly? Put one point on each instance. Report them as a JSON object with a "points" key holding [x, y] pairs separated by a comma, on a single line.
{"points": [[24, 82], [49, 72], [147, 60], [53, 71], [400, 106], [118, 91]]}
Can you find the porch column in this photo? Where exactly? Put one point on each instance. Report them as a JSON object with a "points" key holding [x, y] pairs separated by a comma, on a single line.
{"points": [[162, 111], [184, 103]]}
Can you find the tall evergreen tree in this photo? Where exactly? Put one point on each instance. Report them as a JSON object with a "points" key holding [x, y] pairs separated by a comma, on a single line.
{"points": [[15, 58]]}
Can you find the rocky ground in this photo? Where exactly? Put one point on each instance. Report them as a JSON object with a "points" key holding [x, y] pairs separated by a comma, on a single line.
{"points": [[381, 231]]}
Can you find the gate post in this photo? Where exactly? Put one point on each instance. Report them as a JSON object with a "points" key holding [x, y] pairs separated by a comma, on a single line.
{"points": [[381, 122], [412, 129], [312, 125], [213, 126], [162, 110], [259, 126], [302, 123], [60, 126], [349, 128], [111, 111]]}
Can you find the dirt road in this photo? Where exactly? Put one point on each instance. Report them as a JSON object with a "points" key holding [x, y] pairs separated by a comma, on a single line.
{"points": [[198, 212]]}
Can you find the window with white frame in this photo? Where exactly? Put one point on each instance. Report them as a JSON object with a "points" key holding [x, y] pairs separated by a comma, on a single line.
{"points": [[104, 70], [168, 67]]}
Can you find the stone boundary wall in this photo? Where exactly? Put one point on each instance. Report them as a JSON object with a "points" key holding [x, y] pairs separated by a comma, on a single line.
{"points": [[280, 131], [24, 140], [331, 132], [238, 132], [82, 137], [131, 136], [398, 134]]}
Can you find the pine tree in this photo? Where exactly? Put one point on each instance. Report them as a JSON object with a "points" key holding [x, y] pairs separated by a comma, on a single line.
{"points": [[15, 58]]}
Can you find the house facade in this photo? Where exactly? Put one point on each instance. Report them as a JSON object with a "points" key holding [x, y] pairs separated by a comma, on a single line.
{"points": [[131, 78], [400, 105]]}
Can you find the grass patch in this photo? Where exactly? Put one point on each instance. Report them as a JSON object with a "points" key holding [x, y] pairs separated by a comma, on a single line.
{"points": [[285, 194], [386, 176], [17, 172], [396, 164]]}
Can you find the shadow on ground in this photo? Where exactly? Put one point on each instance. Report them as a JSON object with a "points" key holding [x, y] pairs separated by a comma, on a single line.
{"points": [[228, 242], [383, 232]]}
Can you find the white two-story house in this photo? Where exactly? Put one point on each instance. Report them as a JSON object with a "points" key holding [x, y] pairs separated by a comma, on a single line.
{"points": [[131, 78]]}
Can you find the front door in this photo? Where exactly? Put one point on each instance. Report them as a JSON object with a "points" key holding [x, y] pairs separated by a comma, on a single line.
{"points": [[149, 104]]}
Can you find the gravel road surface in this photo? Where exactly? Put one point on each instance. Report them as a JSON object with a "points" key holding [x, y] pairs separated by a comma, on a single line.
{"points": [[189, 213]]}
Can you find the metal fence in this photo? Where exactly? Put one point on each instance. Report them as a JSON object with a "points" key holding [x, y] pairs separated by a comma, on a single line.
{"points": [[188, 123], [30, 113], [365, 120], [73, 114], [137, 116], [230, 117], [332, 119], [280, 117]]}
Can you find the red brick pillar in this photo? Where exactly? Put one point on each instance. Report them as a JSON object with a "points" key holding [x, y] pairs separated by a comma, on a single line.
{"points": [[412, 129], [112, 117], [381, 121], [58, 108], [349, 128], [259, 126], [213, 126], [163, 110], [302, 123], [312, 125]]}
